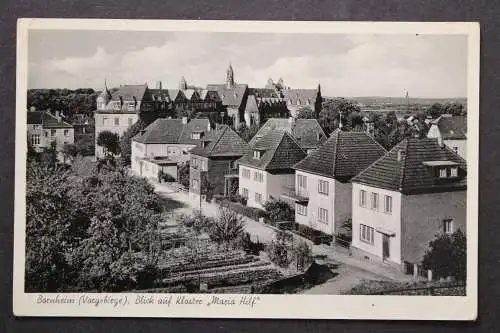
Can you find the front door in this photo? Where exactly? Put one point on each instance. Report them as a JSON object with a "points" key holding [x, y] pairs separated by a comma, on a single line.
{"points": [[385, 247]]}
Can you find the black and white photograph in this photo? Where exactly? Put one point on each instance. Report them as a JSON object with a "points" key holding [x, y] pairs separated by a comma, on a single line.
{"points": [[246, 169]]}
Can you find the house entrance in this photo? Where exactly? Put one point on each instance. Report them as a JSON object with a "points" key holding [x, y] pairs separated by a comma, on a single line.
{"points": [[385, 247]]}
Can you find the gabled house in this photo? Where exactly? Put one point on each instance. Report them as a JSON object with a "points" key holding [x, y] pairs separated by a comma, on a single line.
{"points": [[407, 197], [45, 128], [164, 144], [453, 131], [265, 172], [296, 99], [323, 189], [307, 132], [214, 159]]}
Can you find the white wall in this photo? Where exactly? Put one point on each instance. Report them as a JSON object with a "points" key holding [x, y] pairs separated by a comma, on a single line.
{"points": [[253, 186], [377, 219], [106, 122]]}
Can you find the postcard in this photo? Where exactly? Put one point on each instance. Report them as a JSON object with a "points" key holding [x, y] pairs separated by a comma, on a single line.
{"points": [[244, 169]]}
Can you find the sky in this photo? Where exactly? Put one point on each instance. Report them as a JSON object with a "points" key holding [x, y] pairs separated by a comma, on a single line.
{"points": [[347, 65]]}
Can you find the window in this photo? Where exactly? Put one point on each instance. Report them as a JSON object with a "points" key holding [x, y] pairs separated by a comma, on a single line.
{"points": [[203, 165], [362, 198], [245, 173], [130, 121], [244, 193], [66, 132], [374, 200], [366, 234], [53, 132], [233, 165], [104, 120], [256, 154], [388, 204], [442, 173], [131, 106], [323, 187], [258, 197], [323, 215], [195, 135], [194, 184], [46, 133], [117, 121], [258, 176], [118, 106], [65, 142], [448, 226], [454, 172], [35, 139], [301, 209], [302, 181]]}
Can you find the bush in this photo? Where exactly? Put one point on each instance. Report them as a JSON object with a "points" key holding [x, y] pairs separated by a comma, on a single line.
{"points": [[251, 212], [316, 236], [279, 210], [226, 228], [250, 247], [446, 256]]}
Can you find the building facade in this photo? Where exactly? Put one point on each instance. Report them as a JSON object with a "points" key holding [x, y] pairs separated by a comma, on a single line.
{"points": [[214, 162], [44, 128], [323, 191], [403, 200], [266, 172]]}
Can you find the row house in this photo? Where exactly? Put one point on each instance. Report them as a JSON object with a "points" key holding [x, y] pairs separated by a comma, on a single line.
{"points": [[266, 170], [165, 144], [452, 130], [45, 128], [214, 160], [403, 200], [323, 189]]}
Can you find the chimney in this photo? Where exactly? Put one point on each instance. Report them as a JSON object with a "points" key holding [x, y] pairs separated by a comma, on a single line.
{"points": [[121, 101], [158, 85], [184, 120], [58, 115], [401, 155], [440, 141]]}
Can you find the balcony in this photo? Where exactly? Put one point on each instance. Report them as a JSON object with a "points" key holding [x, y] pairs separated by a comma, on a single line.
{"points": [[299, 195]]}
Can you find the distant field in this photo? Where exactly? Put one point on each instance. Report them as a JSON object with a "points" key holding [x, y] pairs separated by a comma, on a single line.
{"points": [[381, 100]]}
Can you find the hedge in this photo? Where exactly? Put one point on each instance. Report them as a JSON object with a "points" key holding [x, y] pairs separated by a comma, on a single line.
{"points": [[251, 212], [316, 236]]}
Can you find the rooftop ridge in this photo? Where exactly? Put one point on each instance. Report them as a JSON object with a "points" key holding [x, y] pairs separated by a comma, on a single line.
{"points": [[403, 165]]}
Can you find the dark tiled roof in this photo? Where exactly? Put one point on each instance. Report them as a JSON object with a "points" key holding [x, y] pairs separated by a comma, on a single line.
{"points": [[172, 131], [263, 92], [279, 152], [305, 131], [46, 119], [452, 128], [230, 96], [342, 156], [410, 175], [302, 95], [222, 142], [128, 92]]}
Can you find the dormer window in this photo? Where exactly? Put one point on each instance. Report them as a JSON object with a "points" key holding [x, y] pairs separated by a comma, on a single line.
{"points": [[131, 106], [454, 172], [442, 173], [204, 144], [257, 154], [196, 135], [443, 169], [118, 106]]}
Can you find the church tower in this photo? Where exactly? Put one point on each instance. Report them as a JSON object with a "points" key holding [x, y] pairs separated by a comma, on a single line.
{"points": [[230, 77], [183, 84], [103, 98]]}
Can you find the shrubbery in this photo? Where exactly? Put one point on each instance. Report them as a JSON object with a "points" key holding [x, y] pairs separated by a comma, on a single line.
{"points": [[278, 210], [251, 212], [446, 256]]}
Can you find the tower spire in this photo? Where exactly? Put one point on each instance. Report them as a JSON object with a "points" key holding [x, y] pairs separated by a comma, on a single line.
{"points": [[230, 77]]}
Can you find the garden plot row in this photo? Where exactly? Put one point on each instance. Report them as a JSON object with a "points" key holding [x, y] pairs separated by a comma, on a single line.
{"points": [[189, 257], [223, 269], [208, 264], [228, 278]]}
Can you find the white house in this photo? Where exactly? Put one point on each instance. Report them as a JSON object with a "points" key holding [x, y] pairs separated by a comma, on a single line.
{"points": [[322, 187], [453, 131], [265, 172], [168, 142], [403, 200]]}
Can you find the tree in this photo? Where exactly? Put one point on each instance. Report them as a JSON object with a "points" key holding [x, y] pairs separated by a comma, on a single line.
{"points": [[85, 145], [126, 140], [306, 113], [279, 210], [247, 133], [279, 250], [331, 111], [446, 256], [109, 141], [49, 155], [207, 188], [183, 174], [69, 151], [302, 255], [227, 227], [435, 110]]}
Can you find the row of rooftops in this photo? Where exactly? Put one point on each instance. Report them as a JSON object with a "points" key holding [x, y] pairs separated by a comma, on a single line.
{"points": [[411, 167], [47, 119]]}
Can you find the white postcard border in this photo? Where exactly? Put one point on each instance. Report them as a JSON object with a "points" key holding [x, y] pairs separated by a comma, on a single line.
{"points": [[267, 306]]}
